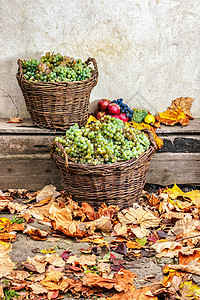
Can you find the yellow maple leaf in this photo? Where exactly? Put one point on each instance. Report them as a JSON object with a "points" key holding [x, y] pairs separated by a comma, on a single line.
{"points": [[172, 117]]}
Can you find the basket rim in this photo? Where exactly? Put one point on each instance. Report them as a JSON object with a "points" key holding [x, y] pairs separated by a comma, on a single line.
{"points": [[61, 83]]}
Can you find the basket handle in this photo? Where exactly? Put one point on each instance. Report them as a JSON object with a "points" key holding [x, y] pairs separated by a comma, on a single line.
{"points": [[20, 73], [151, 138], [56, 144], [93, 60]]}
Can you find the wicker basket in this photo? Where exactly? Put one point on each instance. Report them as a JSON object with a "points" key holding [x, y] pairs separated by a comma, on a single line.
{"points": [[58, 104], [119, 183]]}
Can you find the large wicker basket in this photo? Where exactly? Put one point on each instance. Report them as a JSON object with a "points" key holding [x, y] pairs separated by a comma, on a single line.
{"points": [[58, 104], [119, 183]]}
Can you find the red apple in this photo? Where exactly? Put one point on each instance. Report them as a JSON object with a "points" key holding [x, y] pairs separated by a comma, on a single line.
{"points": [[100, 114], [102, 104], [113, 109], [123, 117]]}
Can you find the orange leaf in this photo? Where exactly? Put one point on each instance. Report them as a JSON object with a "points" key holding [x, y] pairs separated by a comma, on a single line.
{"points": [[185, 259], [133, 245], [7, 237], [172, 117], [140, 294]]}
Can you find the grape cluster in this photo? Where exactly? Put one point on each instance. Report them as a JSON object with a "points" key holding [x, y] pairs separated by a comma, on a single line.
{"points": [[139, 115], [124, 108], [56, 68], [105, 141]]}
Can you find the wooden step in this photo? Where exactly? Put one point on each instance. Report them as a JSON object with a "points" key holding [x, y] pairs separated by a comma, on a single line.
{"points": [[25, 161]]}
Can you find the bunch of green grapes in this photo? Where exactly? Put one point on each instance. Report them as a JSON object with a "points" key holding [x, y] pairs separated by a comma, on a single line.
{"points": [[56, 68], [106, 141]]}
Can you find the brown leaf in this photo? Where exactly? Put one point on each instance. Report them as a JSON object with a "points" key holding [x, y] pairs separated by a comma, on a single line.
{"points": [[47, 192], [139, 216], [36, 234], [184, 103], [193, 269], [37, 288], [119, 230], [6, 264], [36, 263], [15, 120], [140, 294], [7, 237], [93, 280], [185, 259], [84, 260], [104, 224], [18, 275]]}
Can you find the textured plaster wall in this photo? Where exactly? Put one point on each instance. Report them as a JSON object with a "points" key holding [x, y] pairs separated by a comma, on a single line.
{"points": [[150, 47]]}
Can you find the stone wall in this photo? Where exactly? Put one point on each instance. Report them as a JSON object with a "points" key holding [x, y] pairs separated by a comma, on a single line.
{"points": [[147, 51]]}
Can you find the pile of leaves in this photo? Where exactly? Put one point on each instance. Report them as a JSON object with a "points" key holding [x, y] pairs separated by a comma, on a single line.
{"points": [[165, 224]]}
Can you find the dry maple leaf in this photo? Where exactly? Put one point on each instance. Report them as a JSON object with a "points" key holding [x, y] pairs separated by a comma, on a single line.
{"points": [[140, 232], [139, 216], [140, 294], [184, 103], [166, 249], [173, 117], [36, 263], [84, 260], [36, 234], [187, 229], [6, 264], [119, 229], [37, 288]]}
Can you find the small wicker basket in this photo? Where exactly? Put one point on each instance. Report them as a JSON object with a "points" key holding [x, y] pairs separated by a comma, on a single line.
{"points": [[120, 183], [58, 104]]}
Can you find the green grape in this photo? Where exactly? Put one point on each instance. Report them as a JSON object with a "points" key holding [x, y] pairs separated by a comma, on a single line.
{"points": [[56, 68], [106, 141]]}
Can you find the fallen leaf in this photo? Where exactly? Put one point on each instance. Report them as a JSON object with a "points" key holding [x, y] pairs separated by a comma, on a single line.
{"points": [[36, 263], [37, 288], [185, 259], [103, 223], [46, 192], [184, 103], [189, 291], [166, 249], [140, 294], [18, 275], [193, 269], [139, 216], [119, 230], [6, 264], [36, 234], [140, 232], [84, 260], [133, 245], [121, 248], [55, 260], [173, 117], [15, 120]]}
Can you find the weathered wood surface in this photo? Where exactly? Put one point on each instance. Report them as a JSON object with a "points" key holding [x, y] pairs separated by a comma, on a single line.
{"points": [[27, 127], [25, 161]]}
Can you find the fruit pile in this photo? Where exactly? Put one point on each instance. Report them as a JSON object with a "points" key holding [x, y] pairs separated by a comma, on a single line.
{"points": [[103, 142], [118, 109], [55, 68]]}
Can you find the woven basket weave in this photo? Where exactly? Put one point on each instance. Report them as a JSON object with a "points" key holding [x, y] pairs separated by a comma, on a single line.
{"points": [[119, 183], [58, 104]]}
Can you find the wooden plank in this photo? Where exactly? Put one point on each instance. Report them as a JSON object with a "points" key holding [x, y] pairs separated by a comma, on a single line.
{"points": [[170, 168], [27, 127], [181, 143], [31, 172]]}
